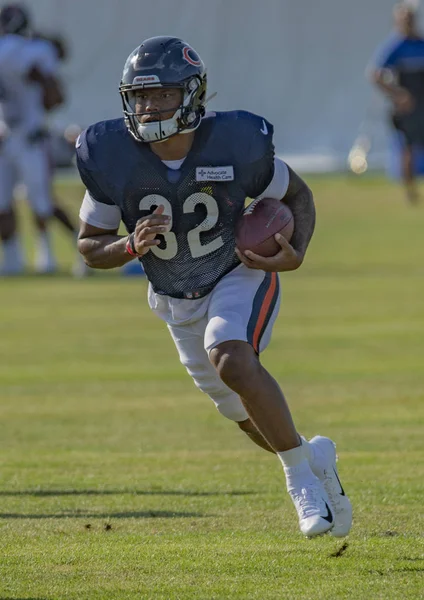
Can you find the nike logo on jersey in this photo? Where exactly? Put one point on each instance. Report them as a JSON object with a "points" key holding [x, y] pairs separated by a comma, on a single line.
{"points": [[264, 128]]}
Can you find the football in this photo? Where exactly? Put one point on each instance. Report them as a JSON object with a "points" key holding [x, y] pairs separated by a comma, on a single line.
{"points": [[260, 221]]}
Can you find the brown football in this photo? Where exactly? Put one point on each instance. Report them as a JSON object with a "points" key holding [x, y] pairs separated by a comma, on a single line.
{"points": [[260, 221]]}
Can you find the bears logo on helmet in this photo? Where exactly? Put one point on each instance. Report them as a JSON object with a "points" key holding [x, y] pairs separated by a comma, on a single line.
{"points": [[191, 57]]}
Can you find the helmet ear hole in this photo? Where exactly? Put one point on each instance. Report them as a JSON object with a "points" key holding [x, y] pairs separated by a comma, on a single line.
{"points": [[192, 85]]}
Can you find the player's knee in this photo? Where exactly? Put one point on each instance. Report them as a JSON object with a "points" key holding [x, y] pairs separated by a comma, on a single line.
{"points": [[203, 377], [230, 407], [206, 380], [234, 361], [41, 203], [233, 413], [7, 225], [41, 221], [226, 401], [42, 214]]}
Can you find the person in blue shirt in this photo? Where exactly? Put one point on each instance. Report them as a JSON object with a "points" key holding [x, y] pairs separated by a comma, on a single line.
{"points": [[398, 71]]}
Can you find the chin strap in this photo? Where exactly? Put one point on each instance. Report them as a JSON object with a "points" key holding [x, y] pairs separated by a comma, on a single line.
{"points": [[209, 98]]}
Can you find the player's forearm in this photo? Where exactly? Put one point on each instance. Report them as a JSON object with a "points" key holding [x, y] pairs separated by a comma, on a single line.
{"points": [[300, 200], [390, 89], [104, 251], [386, 84]]}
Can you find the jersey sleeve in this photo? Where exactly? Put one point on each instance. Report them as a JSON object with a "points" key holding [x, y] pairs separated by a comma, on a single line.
{"points": [[258, 163], [98, 214], [279, 183], [387, 55], [88, 170]]}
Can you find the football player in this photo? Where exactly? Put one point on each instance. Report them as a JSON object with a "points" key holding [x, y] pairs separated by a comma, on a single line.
{"points": [[28, 86], [398, 71], [56, 47], [178, 179]]}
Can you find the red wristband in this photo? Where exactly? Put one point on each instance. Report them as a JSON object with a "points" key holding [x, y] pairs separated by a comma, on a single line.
{"points": [[129, 246]]}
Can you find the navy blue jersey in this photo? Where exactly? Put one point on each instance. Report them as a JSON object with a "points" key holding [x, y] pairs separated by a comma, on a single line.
{"points": [[405, 57], [232, 158]]}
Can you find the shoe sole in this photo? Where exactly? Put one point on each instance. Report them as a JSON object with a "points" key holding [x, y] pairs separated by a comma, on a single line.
{"points": [[321, 534]]}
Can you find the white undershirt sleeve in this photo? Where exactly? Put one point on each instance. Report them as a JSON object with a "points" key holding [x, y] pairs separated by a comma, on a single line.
{"points": [[98, 214], [279, 183]]}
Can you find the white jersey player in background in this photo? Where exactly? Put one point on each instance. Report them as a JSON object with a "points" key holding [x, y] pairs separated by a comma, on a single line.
{"points": [[28, 88], [53, 50]]}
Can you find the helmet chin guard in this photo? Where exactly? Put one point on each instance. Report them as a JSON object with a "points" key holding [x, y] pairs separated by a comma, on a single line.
{"points": [[157, 131], [164, 62]]}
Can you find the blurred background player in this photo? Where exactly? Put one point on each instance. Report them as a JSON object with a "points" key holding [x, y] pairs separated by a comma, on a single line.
{"points": [[398, 71], [28, 87], [60, 146]]}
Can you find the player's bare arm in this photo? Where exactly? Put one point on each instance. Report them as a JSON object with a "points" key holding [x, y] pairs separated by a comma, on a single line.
{"points": [[299, 199], [53, 95], [105, 249]]}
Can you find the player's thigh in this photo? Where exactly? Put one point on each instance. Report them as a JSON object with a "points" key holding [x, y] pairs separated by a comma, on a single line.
{"points": [[36, 175], [416, 130], [7, 181], [189, 341], [243, 306], [410, 128]]}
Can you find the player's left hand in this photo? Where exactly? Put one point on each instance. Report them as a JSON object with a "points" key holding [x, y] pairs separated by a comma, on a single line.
{"points": [[287, 259]]}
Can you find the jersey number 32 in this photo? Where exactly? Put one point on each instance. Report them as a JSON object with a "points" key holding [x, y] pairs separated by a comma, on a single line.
{"points": [[193, 236]]}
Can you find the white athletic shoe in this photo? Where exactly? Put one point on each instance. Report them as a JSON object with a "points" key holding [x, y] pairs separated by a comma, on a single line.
{"points": [[313, 508], [326, 470]]}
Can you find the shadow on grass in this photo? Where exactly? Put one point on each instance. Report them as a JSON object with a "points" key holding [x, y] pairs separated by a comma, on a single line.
{"points": [[93, 492], [147, 514]]}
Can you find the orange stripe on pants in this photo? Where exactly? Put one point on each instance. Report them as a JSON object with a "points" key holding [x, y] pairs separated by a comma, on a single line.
{"points": [[264, 311]]}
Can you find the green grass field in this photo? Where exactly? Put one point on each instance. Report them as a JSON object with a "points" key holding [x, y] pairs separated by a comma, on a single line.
{"points": [[119, 479]]}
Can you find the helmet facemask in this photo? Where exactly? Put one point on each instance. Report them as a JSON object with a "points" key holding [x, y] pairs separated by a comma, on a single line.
{"points": [[186, 118]]}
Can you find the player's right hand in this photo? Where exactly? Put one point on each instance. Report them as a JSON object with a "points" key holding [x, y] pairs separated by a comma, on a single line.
{"points": [[404, 102], [148, 228]]}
